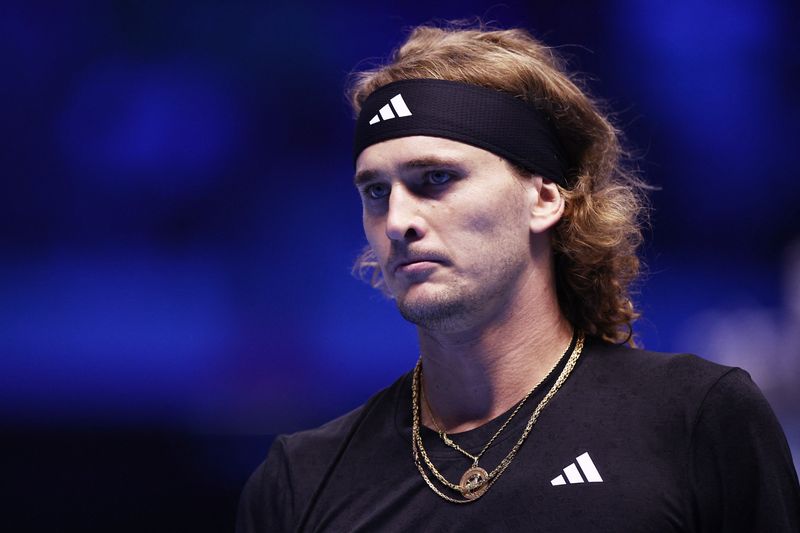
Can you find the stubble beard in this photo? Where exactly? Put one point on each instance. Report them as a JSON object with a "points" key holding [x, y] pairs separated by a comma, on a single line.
{"points": [[445, 311], [456, 307]]}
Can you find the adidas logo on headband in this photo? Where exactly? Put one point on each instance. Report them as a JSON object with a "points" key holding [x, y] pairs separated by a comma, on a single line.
{"points": [[400, 108]]}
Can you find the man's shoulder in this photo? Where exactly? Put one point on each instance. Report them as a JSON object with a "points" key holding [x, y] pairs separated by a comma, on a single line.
{"points": [[653, 394], [332, 434], [671, 382], [647, 365]]}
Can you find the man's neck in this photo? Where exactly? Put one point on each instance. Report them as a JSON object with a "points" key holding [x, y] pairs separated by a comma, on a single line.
{"points": [[473, 376]]}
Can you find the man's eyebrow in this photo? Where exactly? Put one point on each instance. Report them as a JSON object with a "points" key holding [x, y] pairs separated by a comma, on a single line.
{"points": [[364, 176], [422, 162]]}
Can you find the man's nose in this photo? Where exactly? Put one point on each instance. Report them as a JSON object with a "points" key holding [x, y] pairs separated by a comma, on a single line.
{"points": [[404, 220]]}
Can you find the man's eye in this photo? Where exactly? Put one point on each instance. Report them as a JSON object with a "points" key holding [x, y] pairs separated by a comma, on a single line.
{"points": [[377, 191], [439, 177]]}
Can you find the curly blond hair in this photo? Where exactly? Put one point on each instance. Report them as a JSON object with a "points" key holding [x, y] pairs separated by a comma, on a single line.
{"points": [[595, 243]]}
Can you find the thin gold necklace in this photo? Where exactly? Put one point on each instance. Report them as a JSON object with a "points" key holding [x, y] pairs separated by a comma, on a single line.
{"points": [[475, 458], [476, 481]]}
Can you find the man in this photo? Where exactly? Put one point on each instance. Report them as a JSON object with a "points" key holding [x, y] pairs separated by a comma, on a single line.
{"points": [[501, 221]]}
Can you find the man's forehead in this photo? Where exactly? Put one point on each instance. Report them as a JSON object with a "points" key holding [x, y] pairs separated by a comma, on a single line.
{"points": [[418, 151]]}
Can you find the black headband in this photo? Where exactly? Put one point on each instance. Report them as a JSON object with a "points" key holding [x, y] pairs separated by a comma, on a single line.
{"points": [[493, 120]]}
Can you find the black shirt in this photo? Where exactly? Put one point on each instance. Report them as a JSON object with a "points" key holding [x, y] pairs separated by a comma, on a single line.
{"points": [[633, 441]]}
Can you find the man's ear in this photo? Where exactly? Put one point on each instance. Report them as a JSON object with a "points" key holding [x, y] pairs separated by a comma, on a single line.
{"points": [[546, 204]]}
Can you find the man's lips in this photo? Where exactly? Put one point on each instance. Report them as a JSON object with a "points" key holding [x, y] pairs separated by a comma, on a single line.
{"points": [[415, 266], [417, 263]]}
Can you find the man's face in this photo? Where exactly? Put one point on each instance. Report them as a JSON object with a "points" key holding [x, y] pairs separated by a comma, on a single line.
{"points": [[449, 224]]}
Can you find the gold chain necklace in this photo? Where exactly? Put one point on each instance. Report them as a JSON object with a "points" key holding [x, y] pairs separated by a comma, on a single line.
{"points": [[476, 481], [475, 458]]}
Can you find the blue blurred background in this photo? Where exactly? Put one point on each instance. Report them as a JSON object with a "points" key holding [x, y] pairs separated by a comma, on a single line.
{"points": [[178, 222]]}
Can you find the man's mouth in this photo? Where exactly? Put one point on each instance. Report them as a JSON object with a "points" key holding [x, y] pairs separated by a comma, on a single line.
{"points": [[416, 266]]}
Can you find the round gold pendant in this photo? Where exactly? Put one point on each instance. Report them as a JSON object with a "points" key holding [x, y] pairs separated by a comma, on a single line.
{"points": [[474, 483]]}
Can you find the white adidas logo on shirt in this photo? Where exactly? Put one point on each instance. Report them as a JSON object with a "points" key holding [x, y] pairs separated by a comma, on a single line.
{"points": [[574, 475], [386, 113]]}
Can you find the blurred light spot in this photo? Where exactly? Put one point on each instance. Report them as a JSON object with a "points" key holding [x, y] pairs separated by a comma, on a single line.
{"points": [[709, 69], [112, 324], [708, 75], [147, 124]]}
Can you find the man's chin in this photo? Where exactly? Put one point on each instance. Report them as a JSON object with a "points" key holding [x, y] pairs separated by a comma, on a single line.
{"points": [[420, 296], [431, 310]]}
